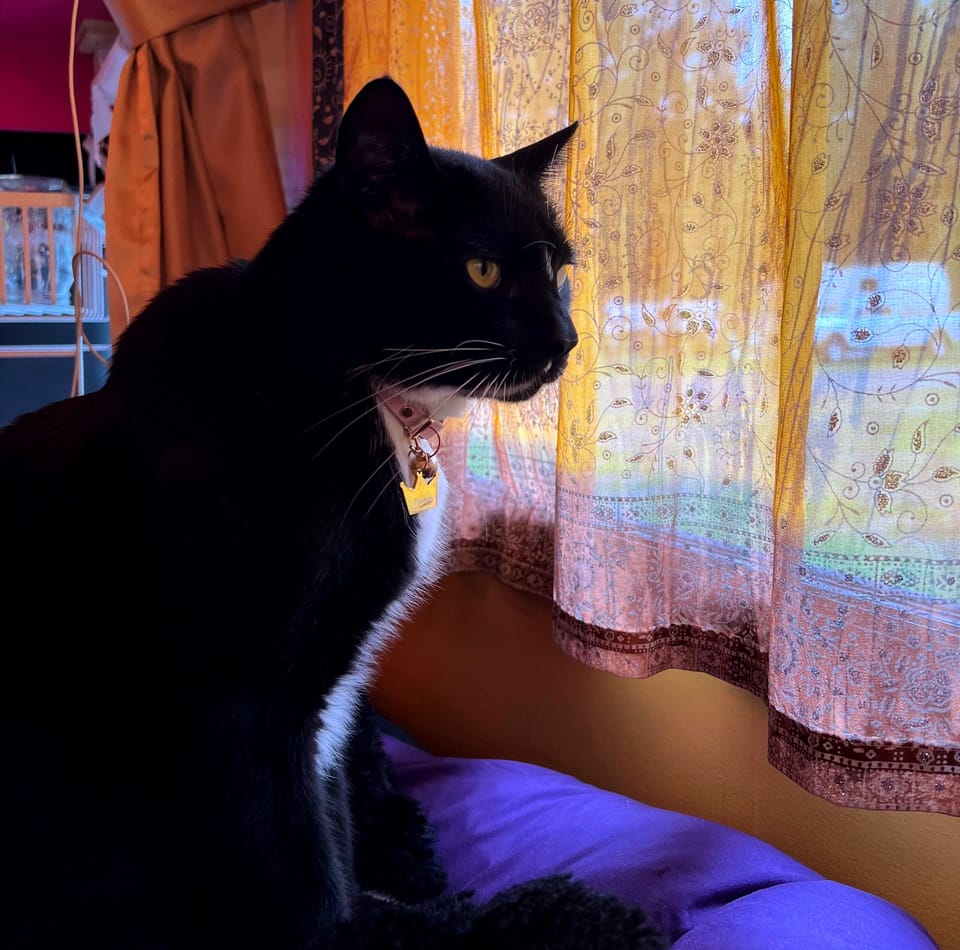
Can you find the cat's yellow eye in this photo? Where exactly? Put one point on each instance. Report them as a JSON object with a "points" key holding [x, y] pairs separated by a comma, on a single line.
{"points": [[483, 272], [563, 275]]}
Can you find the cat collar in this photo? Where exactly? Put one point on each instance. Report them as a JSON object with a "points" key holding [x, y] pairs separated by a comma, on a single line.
{"points": [[423, 440]]}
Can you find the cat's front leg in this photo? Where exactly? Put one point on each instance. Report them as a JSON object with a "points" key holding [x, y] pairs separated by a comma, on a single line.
{"points": [[560, 913], [554, 913], [378, 921], [271, 867], [393, 843]]}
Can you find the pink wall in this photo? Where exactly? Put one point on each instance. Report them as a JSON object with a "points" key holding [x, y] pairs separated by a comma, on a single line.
{"points": [[34, 44], [34, 93]]}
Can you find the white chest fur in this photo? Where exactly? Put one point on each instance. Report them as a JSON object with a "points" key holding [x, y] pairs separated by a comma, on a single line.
{"points": [[430, 540]]}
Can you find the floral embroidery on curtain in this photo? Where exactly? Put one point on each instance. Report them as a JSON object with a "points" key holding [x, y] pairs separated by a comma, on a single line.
{"points": [[865, 634], [751, 468], [487, 77]]}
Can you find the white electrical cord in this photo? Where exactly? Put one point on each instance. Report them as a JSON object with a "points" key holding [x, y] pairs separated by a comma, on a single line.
{"points": [[78, 224]]}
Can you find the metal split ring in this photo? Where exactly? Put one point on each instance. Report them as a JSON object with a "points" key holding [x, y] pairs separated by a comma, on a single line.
{"points": [[432, 441]]}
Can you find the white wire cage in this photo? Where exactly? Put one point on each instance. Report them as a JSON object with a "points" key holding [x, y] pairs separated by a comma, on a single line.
{"points": [[40, 283], [36, 258]]}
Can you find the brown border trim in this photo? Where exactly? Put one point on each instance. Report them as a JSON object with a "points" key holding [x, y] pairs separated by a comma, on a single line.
{"points": [[871, 775], [479, 555], [880, 776], [734, 659]]}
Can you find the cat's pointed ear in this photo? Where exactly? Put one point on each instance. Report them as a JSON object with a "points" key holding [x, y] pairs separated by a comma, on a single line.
{"points": [[382, 157], [534, 161]]}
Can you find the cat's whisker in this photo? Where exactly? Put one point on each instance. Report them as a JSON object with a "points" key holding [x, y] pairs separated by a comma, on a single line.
{"points": [[458, 391], [342, 409], [471, 397], [461, 347], [365, 367], [439, 371], [442, 349], [434, 373], [402, 353], [459, 364], [549, 244], [473, 392], [492, 386], [379, 494], [494, 343], [366, 482]]}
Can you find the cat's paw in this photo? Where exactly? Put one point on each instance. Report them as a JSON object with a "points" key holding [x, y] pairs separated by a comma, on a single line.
{"points": [[558, 913], [378, 921]]}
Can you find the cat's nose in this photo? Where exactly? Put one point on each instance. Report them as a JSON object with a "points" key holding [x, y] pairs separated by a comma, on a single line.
{"points": [[562, 344], [568, 343]]}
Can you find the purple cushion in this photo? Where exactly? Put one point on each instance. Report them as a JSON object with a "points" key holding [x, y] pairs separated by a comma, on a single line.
{"points": [[708, 887]]}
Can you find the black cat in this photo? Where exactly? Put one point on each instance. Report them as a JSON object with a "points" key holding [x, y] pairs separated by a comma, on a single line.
{"points": [[199, 562]]}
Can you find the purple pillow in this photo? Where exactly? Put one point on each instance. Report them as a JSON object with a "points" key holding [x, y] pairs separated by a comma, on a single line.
{"points": [[708, 887]]}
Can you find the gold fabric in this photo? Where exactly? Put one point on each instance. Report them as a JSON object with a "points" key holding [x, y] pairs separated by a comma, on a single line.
{"points": [[864, 650], [192, 176], [488, 78], [751, 466], [429, 49], [142, 20]]}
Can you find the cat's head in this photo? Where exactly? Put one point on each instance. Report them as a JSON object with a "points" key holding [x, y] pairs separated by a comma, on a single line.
{"points": [[466, 256]]}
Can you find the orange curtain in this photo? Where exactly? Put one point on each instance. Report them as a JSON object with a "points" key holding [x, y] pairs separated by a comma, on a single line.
{"points": [[192, 175], [751, 466]]}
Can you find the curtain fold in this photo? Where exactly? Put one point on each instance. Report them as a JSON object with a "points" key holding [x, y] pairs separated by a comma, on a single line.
{"points": [[865, 635], [192, 174], [750, 468], [668, 428]]}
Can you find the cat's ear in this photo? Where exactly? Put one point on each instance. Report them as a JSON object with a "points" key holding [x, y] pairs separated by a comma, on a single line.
{"points": [[534, 161], [382, 157]]}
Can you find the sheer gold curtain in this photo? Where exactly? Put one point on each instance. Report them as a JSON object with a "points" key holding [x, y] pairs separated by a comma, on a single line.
{"points": [[865, 636], [751, 466], [192, 175], [487, 77]]}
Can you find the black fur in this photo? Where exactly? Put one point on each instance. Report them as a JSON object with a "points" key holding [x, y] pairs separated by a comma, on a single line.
{"points": [[193, 556]]}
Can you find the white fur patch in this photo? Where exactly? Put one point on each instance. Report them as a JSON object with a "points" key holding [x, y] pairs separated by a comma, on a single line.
{"points": [[430, 539]]}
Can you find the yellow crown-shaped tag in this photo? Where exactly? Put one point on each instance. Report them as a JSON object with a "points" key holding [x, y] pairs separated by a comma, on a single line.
{"points": [[423, 495]]}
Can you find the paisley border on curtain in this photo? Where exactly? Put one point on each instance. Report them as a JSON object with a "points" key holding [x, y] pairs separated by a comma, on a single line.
{"points": [[327, 79]]}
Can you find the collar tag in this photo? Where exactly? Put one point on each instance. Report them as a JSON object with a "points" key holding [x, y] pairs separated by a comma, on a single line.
{"points": [[423, 438], [423, 496]]}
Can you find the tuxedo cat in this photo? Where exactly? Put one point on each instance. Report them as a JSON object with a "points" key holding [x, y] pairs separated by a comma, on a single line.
{"points": [[199, 563]]}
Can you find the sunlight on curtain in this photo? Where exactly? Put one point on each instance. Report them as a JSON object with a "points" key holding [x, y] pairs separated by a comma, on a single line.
{"points": [[752, 463], [669, 415], [486, 77], [759, 437], [865, 641]]}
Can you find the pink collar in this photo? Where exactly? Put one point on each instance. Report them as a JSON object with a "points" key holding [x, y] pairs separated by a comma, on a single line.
{"points": [[412, 415], [423, 443]]}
